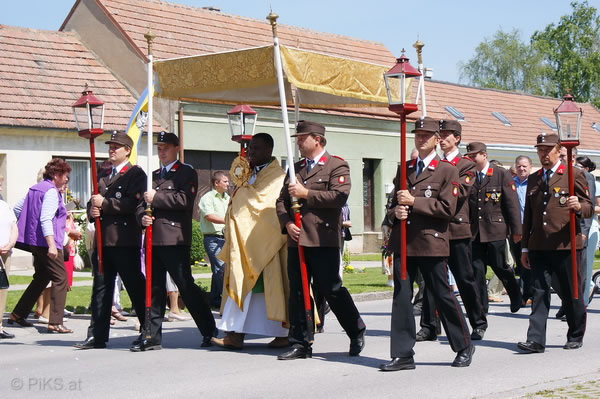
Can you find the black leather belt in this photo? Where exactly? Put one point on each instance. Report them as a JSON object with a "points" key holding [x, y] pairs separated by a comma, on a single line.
{"points": [[214, 235]]}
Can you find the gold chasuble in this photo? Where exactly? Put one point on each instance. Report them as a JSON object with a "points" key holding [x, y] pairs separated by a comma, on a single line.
{"points": [[254, 244]]}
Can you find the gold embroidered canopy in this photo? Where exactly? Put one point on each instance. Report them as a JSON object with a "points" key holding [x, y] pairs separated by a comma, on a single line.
{"points": [[249, 76]]}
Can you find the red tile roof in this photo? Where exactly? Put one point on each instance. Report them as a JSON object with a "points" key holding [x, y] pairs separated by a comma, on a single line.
{"points": [[183, 31], [523, 112], [42, 73]]}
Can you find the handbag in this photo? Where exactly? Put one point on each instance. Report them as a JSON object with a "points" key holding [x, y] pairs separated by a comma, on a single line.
{"points": [[3, 276], [347, 234]]}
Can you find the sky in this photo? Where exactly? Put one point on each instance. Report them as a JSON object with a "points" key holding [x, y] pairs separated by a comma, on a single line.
{"points": [[451, 30]]}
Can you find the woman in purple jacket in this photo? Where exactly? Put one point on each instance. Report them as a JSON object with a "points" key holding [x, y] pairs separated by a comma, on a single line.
{"points": [[41, 222]]}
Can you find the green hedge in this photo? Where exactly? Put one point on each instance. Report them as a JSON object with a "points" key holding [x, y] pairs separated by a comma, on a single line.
{"points": [[197, 253]]}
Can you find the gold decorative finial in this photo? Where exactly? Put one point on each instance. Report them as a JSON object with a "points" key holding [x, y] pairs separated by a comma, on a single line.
{"points": [[149, 36], [272, 17], [403, 51], [419, 46]]}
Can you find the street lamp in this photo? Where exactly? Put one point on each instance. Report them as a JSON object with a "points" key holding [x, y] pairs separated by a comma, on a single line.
{"points": [[88, 112], [568, 123], [242, 122], [396, 80]]}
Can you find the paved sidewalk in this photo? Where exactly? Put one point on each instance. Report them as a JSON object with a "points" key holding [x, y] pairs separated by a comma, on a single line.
{"points": [[35, 364]]}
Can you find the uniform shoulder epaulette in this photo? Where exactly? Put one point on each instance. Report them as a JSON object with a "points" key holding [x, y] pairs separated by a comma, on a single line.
{"points": [[157, 171], [335, 156]]}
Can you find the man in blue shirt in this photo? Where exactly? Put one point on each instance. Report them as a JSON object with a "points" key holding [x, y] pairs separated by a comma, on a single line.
{"points": [[523, 168]]}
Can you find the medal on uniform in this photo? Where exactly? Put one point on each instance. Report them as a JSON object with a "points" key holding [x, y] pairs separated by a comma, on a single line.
{"points": [[498, 196], [556, 190], [487, 196], [562, 200], [428, 193], [118, 195], [493, 196]]}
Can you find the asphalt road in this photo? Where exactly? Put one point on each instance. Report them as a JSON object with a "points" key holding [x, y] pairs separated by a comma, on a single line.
{"points": [[35, 364]]}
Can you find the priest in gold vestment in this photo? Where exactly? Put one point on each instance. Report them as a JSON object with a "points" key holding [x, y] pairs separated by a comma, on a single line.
{"points": [[255, 289]]}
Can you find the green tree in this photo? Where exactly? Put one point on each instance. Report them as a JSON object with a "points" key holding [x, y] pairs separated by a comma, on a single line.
{"points": [[571, 52], [505, 62]]}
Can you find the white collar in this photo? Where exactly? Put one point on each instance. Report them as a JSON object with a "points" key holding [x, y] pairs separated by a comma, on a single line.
{"points": [[485, 168], [452, 155], [427, 159], [121, 166], [317, 158], [169, 166]]}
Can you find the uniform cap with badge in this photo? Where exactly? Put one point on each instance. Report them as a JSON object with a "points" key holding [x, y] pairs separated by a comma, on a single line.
{"points": [[476, 147], [426, 124], [548, 140], [451, 125], [168, 138], [308, 127], [120, 138]]}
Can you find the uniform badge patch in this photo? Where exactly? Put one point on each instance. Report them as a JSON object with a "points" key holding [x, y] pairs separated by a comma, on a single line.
{"points": [[513, 187], [341, 179], [562, 200], [467, 179], [427, 193], [118, 195], [455, 189]]}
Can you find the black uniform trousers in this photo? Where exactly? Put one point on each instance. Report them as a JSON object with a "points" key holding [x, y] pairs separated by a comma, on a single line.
{"points": [[126, 262], [493, 254], [544, 264], [524, 273], [435, 274], [175, 259], [459, 262], [322, 265]]}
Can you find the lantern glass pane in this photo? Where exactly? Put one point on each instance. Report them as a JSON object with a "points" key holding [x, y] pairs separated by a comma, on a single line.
{"points": [[567, 123], [235, 124], [249, 122], [96, 116], [394, 88], [81, 118]]}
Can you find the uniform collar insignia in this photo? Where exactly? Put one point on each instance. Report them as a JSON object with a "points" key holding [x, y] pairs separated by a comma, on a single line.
{"points": [[490, 171], [303, 162], [412, 163], [175, 167], [432, 164], [322, 160], [561, 169], [455, 160], [539, 172], [124, 169]]}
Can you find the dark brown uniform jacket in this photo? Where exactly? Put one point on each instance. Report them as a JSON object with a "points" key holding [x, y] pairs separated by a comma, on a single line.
{"points": [[460, 225], [494, 206], [173, 205], [545, 219], [122, 195], [328, 183], [436, 191]]}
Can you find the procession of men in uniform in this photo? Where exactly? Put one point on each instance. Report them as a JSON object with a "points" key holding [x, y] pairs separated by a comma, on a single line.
{"points": [[458, 210]]}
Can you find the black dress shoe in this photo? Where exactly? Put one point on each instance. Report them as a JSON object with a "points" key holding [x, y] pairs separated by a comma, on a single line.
{"points": [[464, 357], [573, 345], [515, 304], [297, 352], [398, 363], [531, 347], [89, 343], [5, 335], [356, 345], [138, 340], [145, 346], [206, 342], [14, 319], [423, 335], [477, 334]]}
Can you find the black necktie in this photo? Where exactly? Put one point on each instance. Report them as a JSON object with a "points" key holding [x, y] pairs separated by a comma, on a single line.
{"points": [[113, 173], [309, 164], [548, 175], [479, 177], [420, 167], [163, 173]]}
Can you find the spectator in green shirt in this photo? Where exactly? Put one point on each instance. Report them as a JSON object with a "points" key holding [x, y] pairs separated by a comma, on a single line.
{"points": [[213, 206]]}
